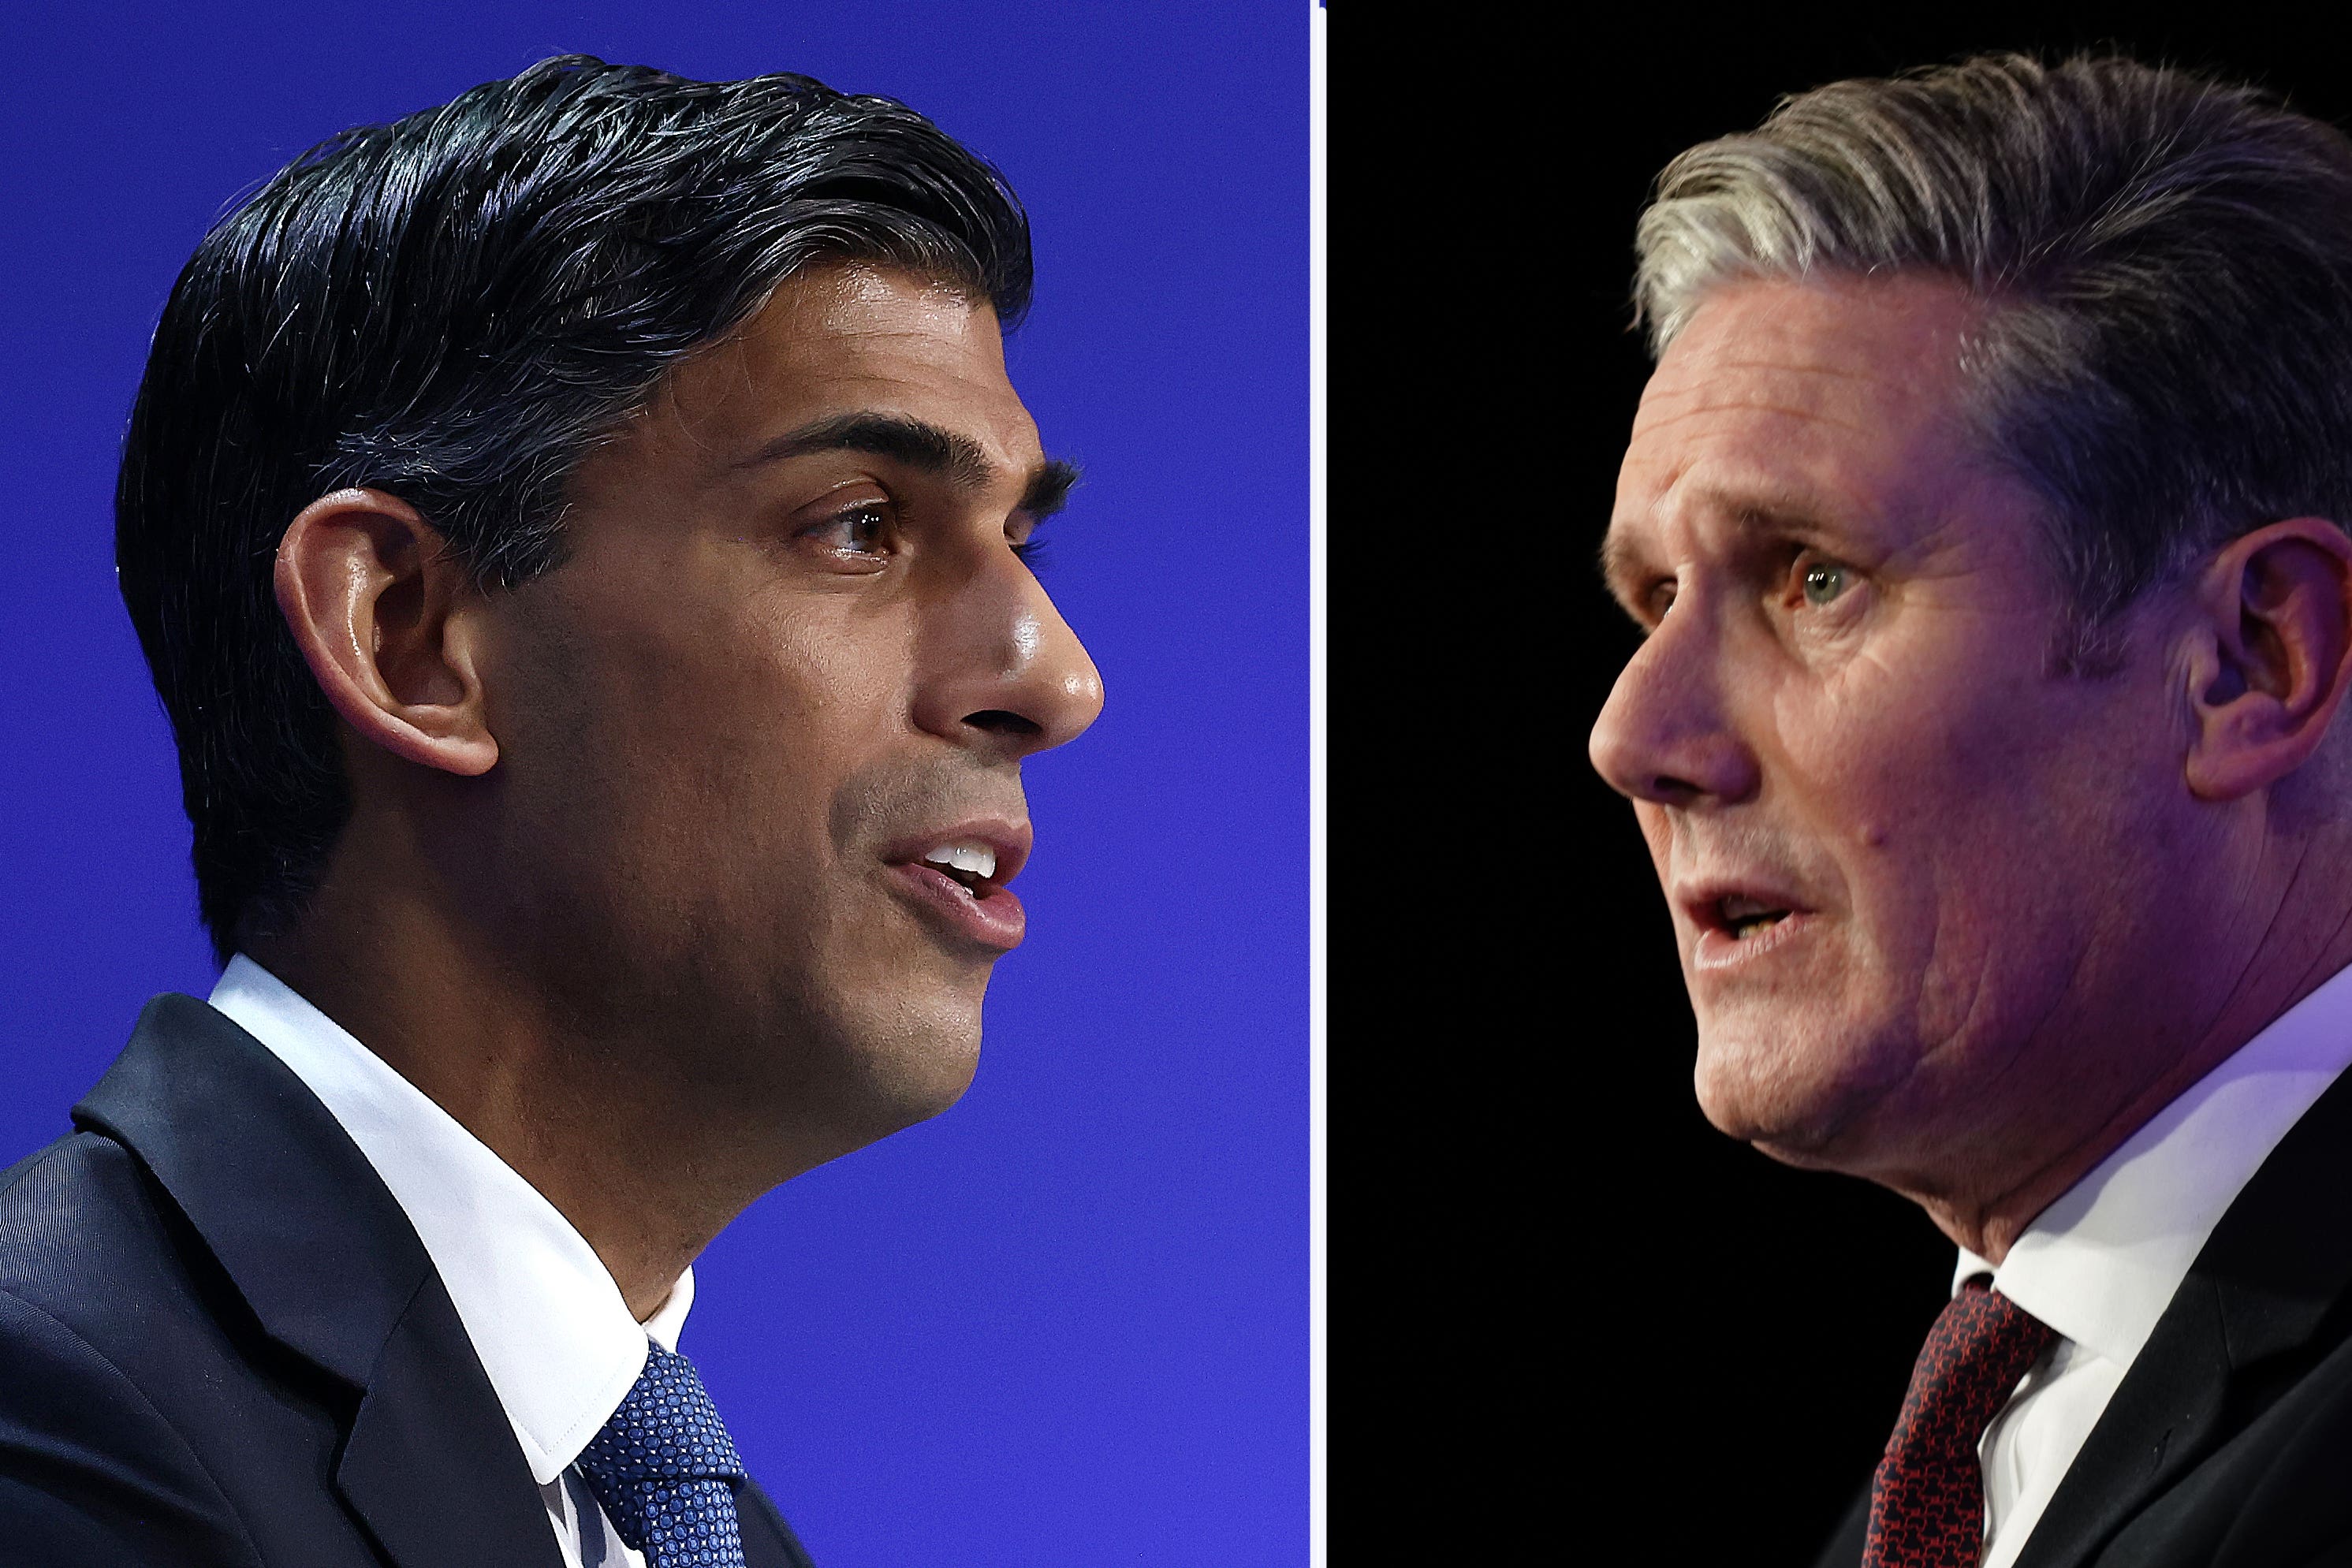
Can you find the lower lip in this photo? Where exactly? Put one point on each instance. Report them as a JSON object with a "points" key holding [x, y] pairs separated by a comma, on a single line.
{"points": [[996, 921], [1719, 949]]}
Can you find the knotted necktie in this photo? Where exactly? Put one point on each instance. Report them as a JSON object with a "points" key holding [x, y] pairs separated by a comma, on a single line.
{"points": [[1927, 1501], [661, 1467]]}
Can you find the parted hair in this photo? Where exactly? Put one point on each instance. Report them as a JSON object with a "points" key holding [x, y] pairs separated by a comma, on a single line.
{"points": [[2166, 262], [453, 309]]}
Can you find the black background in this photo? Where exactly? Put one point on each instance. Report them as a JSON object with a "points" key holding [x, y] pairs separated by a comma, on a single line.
{"points": [[1567, 1317]]}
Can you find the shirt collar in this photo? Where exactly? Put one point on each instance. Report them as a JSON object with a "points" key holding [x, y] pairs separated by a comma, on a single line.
{"points": [[554, 1336], [2101, 1263]]}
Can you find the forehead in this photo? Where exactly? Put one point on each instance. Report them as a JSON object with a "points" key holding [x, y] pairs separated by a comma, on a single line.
{"points": [[1839, 396], [845, 339]]}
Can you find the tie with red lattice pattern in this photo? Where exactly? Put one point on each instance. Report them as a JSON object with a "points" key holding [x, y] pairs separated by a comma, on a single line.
{"points": [[1927, 1501]]}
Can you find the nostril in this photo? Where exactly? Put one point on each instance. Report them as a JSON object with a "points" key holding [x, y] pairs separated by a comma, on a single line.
{"points": [[1667, 789], [998, 721]]}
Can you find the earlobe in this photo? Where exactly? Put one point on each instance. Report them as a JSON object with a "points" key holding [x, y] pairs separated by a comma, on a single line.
{"points": [[382, 617], [2274, 656]]}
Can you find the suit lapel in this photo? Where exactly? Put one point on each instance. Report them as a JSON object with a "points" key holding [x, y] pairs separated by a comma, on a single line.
{"points": [[2275, 1266], [436, 1482], [2162, 1419], [333, 1270], [768, 1540]]}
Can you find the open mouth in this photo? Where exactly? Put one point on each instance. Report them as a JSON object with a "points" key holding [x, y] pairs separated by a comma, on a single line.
{"points": [[970, 866], [963, 882], [1743, 917]]}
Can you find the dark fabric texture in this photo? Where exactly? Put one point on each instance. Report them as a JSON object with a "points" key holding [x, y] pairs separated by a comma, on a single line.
{"points": [[221, 1341], [2229, 1443], [1927, 1501]]}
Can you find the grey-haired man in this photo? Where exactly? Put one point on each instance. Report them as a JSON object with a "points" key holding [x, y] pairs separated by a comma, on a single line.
{"points": [[1985, 517]]}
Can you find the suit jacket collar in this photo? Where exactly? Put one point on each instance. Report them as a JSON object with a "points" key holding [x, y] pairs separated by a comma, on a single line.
{"points": [[333, 1270], [2260, 1289]]}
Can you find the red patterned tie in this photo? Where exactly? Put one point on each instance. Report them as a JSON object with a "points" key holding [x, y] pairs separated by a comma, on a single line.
{"points": [[1927, 1501]]}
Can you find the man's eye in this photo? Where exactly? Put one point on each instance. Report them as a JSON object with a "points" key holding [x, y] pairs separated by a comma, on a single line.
{"points": [[1824, 580], [861, 530]]}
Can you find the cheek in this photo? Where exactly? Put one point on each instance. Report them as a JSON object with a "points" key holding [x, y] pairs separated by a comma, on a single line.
{"points": [[765, 729], [1970, 821], [709, 739]]}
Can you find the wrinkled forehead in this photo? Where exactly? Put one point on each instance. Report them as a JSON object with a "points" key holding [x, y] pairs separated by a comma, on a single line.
{"points": [[1845, 391]]}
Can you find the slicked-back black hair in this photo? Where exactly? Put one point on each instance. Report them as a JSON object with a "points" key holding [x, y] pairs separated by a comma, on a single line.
{"points": [[452, 309]]}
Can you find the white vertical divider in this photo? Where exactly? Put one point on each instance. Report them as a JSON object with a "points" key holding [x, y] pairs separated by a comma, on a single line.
{"points": [[1317, 859]]}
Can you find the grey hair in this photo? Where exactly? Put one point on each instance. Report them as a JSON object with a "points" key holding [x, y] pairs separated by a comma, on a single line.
{"points": [[2167, 260]]}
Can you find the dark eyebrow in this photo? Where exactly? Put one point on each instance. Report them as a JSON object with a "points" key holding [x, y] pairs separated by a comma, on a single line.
{"points": [[920, 444]]}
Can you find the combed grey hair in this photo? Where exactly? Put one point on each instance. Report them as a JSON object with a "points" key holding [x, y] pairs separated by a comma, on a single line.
{"points": [[2167, 260]]}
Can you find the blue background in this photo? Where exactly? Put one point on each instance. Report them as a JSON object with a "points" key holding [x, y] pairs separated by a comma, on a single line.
{"points": [[1067, 1323]]}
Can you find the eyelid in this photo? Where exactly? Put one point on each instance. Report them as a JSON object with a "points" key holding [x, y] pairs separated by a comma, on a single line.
{"points": [[842, 513], [830, 507]]}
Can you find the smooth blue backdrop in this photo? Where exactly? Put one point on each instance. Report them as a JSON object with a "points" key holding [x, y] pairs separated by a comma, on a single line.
{"points": [[1064, 1324]]}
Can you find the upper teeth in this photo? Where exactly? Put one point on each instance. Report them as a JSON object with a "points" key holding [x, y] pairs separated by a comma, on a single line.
{"points": [[977, 858], [1739, 906]]}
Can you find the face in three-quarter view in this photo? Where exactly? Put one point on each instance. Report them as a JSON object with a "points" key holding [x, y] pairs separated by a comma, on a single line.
{"points": [[581, 535], [1985, 522]]}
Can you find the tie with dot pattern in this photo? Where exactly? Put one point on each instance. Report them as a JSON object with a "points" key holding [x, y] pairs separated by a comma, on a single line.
{"points": [[661, 1467], [1926, 1501]]}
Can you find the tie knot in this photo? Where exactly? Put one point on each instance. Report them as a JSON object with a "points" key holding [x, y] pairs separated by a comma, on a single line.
{"points": [[665, 1429], [1927, 1501], [663, 1469], [1981, 1344]]}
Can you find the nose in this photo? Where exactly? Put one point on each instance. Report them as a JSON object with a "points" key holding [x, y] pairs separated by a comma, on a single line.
{"points": [[1005, 673], [1662, 735]]}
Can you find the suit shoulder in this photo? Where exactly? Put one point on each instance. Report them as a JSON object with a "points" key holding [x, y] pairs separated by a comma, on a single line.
{"points": [[90, 1472], [79, 1221]]}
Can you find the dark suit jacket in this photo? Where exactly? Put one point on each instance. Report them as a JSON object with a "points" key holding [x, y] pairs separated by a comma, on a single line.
{"points": [[221, 1341], [2229, 1443]]}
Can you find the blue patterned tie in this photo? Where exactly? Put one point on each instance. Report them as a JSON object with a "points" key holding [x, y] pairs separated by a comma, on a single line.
{"points": [[661, 1467]]}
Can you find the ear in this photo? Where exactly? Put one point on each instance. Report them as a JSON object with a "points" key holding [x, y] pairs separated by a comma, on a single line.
{"points": [[2274, 655], [386, 620]]}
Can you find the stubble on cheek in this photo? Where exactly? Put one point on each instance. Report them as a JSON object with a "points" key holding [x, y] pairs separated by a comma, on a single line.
{"points": [[640, 768]]}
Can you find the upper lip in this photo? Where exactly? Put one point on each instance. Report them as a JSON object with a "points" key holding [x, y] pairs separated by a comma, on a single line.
{"points": [[1701, 901], [1010, 841]]}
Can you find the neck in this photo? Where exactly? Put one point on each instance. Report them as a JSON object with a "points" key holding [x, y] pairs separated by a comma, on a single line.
{"points": [[2288, 961], [645, 1177]]}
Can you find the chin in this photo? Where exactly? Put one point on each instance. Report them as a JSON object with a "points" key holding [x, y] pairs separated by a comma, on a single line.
{"points": [[911, 1068], [1794, 1096], [924, 1089]]}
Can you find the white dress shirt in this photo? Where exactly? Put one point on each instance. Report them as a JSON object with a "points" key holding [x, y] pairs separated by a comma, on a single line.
{"points": [[2101, 1264], [557, 1341]]}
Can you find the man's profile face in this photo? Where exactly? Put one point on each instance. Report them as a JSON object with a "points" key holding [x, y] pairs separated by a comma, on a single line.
{"points": [[791, 653], [1900, 847]]}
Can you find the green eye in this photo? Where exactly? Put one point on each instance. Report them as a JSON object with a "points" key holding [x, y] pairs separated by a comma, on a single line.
{"points": [[1823, 582]]}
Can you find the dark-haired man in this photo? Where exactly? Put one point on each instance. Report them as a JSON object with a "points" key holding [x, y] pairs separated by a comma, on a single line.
{"points": [[601, 656], [1986, 522]]}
